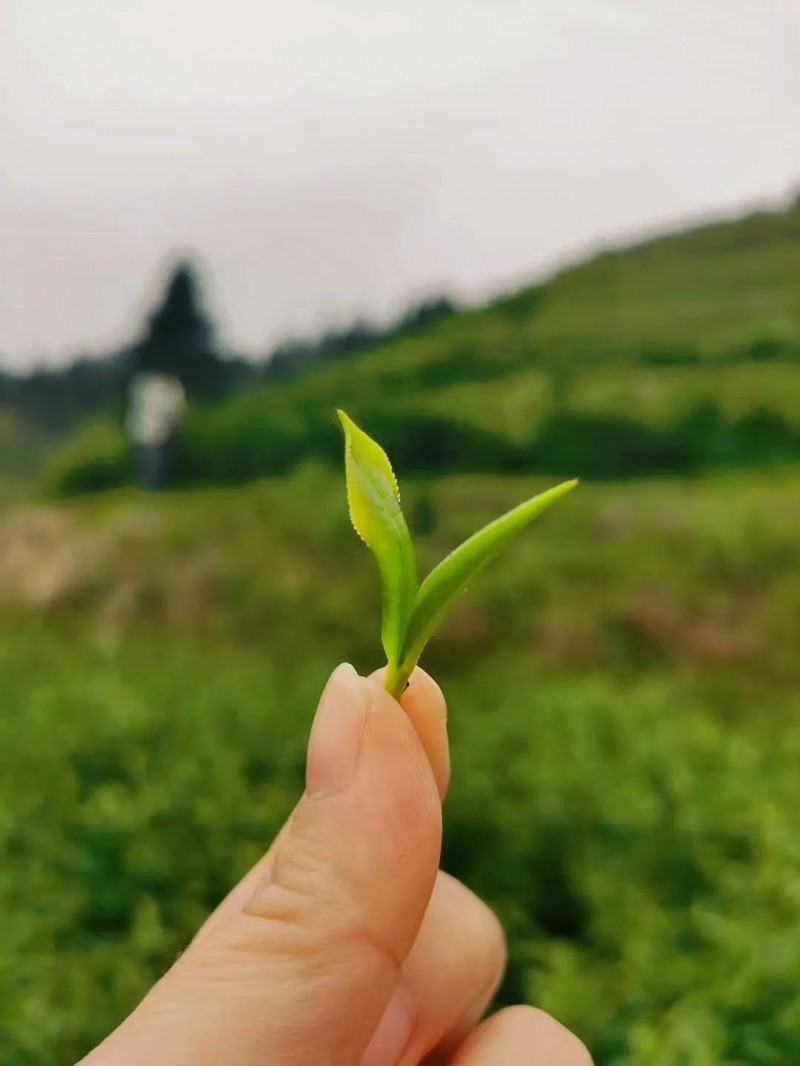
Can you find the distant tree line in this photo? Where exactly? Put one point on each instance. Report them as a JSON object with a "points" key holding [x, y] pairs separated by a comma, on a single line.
{"points": [[295, 354], [53, 400], [178, 338]]}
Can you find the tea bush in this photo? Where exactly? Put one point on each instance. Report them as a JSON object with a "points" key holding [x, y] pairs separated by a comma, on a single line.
{"points": [[640, 849], [625, 720]]}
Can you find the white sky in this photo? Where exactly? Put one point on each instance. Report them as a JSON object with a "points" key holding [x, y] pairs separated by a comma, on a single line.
{"points": [[329, 157]]}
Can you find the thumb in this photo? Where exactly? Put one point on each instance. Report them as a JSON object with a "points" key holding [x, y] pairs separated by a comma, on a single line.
{"points": [[304, 971]]}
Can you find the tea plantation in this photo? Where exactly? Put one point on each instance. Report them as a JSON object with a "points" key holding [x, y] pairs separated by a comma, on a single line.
{"points": [[624, 695]]}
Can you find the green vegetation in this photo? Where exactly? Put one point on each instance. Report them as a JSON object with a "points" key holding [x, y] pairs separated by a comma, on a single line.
{"points": [[677, 356], [718, 288], [625, 727]]}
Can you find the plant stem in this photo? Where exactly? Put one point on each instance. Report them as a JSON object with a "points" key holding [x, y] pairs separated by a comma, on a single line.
{"points": [[396, 679]]}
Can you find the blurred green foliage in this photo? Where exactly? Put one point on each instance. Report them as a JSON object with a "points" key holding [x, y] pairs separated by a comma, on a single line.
{"points": [[678, 355], [624, 709], [260, 436], [95, 458]]}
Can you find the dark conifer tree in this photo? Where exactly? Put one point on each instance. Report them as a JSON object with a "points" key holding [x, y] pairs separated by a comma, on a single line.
{"points": [[180, 340]]}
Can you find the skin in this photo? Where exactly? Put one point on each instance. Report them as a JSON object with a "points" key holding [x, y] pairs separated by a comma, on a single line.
{"points": [[346, 945]]}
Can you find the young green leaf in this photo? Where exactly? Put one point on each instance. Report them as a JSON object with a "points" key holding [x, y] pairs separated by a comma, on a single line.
{"points": [[450, 578], [410, 615], [374, 501]]}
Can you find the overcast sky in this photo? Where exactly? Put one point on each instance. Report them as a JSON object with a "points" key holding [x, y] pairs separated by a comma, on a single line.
{"points": [[329, 157]]}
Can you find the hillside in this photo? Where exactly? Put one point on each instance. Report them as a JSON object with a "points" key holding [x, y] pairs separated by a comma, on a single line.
{"points": [[715, 288], [631, 330], [676, 355]]}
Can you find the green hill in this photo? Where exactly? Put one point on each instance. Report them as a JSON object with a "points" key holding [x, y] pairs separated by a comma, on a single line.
{"points": [[630, 330], [716, 288], [679, 354]]}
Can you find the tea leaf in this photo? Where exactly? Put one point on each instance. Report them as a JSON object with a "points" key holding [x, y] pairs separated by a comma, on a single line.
{"points": [[450, 578], [374, 501], [410, 615]]}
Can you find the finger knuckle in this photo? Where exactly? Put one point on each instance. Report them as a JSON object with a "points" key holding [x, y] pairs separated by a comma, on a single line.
{"points": [[305, 908]]}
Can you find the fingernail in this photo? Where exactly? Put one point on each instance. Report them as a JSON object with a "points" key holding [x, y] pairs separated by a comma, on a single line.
{"points": [[337, 732], [393, 1033]]}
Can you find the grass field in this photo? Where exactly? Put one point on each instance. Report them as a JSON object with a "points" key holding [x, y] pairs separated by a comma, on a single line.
{"points": [[625, 712]]}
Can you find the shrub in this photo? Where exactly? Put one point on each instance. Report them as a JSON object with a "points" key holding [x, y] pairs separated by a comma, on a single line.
{"points": [[96, 458], [601, 446], [639, 846]]}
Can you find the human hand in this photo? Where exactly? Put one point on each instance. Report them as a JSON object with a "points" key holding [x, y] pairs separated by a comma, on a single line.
{"points": [[345, 945]]}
